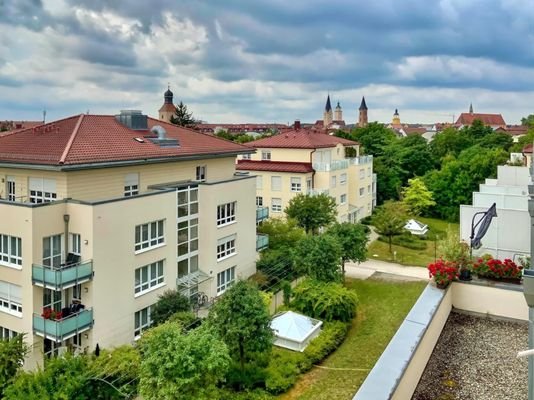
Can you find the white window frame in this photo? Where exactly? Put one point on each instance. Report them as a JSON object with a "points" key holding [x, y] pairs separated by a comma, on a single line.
{"points": [[226, 247], [333, 181], [362, 191], [259, 201], [245, 157], [11, 251], [276, 204], [276, 183], [266, 155], [131, 184], [11, 188], [75, 243], [11, 298], [343, 199], [149, 277], [201, 172], [259, 182], [362, 173], [296, 185], [226, 213], [149, 236], [42, 190], [139, 325], [54, 244], [225, 279], [343, 179], [6, 334]]}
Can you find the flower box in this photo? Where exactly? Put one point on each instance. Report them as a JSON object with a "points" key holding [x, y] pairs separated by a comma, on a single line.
{"points": [[443, 272], [505, 270]]}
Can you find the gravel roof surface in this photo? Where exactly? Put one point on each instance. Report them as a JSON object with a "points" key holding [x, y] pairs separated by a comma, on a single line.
{"points": [[475, 359]]}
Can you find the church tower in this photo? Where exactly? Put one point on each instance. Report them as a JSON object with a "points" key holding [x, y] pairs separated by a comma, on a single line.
{"points": [[168, 109], [396, 118], [327, 115], [471, 108], [338, 113], [362, 120]]}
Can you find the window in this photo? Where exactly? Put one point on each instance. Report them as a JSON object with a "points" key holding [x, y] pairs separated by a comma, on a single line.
{"points": [[201, 173], [6, 334], [342, 179], [148, 277], [10, 188], [42, 190], [187, 266], [10, 298], [245, 157], [259, 182], [187, 202], [149, 235], [75, 244], [131, 185], [10, 250], [143, 320], [276, 205], [308, 184], [333, 181], [77, 292], [259, 201], [52, 299], [368, 189], [362, 191], [296, 186], [266, 155], [343, 199], [362, 173], [52, 251], [226, 213], [276, 183], [369, 171], [225, 247], [225, 279], [187, 237]]}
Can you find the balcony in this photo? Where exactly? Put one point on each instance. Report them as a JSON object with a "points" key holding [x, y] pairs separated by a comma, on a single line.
{"points": [[262, 241], [331, 166], [59, 278], [65, 328], [361, 160], [262, 213], [317, 192]]}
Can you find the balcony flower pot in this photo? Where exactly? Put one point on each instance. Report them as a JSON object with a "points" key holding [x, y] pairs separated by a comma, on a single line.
{"points": [[465, 274], [443, 272]]}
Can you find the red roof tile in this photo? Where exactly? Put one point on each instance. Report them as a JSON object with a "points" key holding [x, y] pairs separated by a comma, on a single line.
{"points": [[487, 119], [84, 139], [274, 166], [527, 148], [300, 139]]}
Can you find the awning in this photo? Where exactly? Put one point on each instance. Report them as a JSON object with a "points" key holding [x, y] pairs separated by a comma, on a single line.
{"points": [[192, 279]]}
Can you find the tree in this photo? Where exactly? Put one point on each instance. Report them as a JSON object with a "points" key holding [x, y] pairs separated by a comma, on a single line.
{"points": [[353, 239], [417, 197], [373, 137], [477, 130], [389, 220], [388, 178], [182, 117], [449, 141], [528, 121], [277, 265], [312, 212], [169, 303], [497, 140], [242, 321], [283, 233], [12, 354], [175, 365], [319, 257]]}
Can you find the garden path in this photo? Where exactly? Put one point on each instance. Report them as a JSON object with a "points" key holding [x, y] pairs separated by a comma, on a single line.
{"points": [[367, 268]]}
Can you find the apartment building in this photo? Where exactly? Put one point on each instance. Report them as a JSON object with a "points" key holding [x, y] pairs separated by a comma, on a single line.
{"points": [[100, 214], [304, 161]]}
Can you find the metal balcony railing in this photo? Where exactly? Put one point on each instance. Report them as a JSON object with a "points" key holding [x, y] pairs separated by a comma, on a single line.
{"points": [[64, 328], [63, 277], [262, 213], [262, 241]]}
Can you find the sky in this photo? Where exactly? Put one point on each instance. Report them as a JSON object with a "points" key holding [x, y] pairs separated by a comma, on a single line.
{"points": [[267, 60]]}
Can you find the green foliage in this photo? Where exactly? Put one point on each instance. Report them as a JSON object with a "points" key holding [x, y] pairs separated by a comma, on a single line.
{"points": [[241, 319], [373, 137], [240, 137], [283, 233], [330, 338], [287, 291], [182, 117], [406, 240], [523, 141], [497, 140], [528, 121], [187, 320], [449, 141], [276, 265], [353, 239], [319, 257], [325, 301], [390, 219], [169, 303], [12, 354], [451, 248], [175, 365], [312, 212], [417, 197]]}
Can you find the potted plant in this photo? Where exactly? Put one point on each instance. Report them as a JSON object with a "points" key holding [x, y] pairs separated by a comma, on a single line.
{"points": [[443, 272], [505, 270]]}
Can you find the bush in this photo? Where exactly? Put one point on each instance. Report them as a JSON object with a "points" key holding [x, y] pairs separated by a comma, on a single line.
{"points": [[187, 320], [406, 240], [330, 338], [284, 369], [326, 301], [169, 303], [366, 220], [251, 377]]}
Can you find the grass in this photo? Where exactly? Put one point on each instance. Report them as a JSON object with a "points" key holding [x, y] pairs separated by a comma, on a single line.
{"points": [[405, 256], [382, 308]]}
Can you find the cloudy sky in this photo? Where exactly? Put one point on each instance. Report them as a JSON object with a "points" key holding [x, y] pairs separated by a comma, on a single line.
{"points": [[267, 60]]}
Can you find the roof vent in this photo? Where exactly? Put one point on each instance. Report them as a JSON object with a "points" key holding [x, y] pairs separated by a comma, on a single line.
{"points": [[133, 119], [162, 140]]}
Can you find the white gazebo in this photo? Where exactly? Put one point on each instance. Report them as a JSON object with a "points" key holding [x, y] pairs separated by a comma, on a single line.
{"points": [[416, 227], [294, 331]]}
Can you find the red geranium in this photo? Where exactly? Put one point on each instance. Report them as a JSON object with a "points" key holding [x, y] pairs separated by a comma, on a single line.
{"points": [[494, 268], [443, 272]]}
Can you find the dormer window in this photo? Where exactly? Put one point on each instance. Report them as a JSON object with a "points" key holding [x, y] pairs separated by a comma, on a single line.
{"points": [[201, 173]]}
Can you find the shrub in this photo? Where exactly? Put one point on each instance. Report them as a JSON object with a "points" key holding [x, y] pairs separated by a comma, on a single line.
{"points": [[169, 303], [186, 319], [497, 269], [326, 301], [406, 240], [330, 338], [366, 220], [286, 287], [284, 369]]}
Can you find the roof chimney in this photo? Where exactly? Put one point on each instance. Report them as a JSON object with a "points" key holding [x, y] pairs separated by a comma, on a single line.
{"points": [[297, 124]]}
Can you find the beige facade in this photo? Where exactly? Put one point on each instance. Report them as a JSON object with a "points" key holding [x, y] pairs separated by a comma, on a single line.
{"points": [[177, 229]]}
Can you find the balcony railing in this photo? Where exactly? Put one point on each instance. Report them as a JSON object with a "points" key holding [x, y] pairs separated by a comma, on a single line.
{"points": [[331, 166], [262, 213], [317, 192], [262, 241], [62, 329], [361, 160], [59, 278]]}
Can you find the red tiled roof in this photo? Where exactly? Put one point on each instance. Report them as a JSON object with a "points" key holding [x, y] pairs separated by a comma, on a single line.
{"points": [[300, 139], [274, 166], [527, 148], [487, 119], [414, 131], [84, 139]]}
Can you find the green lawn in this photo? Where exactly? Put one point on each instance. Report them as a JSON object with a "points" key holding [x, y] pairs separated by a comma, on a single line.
{"points": [[382, 308], [438, 228]]}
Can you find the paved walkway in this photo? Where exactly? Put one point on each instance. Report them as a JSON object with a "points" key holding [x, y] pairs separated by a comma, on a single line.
{"points": [[366, 269]]}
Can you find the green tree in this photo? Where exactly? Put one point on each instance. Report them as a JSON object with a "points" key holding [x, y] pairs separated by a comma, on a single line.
{"points": [[353, 239], [283, 233], [175, 365], [277, 265], [415, 156], [417, 197], [497, 140], [182, 117], [389, 220], [373, 137], [523, 141], [528, 121], [477, 130], [169, 303], [241, 319], [312, 212], [12, 354], [319, 257], [449, 141], [388, 178]]}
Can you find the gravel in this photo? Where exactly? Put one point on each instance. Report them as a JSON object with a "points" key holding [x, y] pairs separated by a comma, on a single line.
{"points": [[475, 359]]}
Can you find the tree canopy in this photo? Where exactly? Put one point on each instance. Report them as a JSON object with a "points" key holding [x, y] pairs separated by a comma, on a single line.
{"points": [[417, 197], [283, 233], [182, 117], [390, 219], [319, 257], [169, 303], [12, 354], [353, 239], [312, 212]]}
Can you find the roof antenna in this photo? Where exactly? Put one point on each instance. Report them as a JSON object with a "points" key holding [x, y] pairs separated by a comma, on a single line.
{"points": [[44, 116]]}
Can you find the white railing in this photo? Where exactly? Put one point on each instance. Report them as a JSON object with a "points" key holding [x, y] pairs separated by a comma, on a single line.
{"points": [[331, 166], [361, 160], [317, 192]]}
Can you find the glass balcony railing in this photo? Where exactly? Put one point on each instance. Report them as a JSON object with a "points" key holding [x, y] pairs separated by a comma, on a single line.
{"points": [[330, 166], [361, 160], [59, 278], [62, 329], [262, 213], [262, 241]]}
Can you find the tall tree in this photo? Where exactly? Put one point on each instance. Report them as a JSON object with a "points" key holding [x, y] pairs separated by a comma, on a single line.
{"points": [[12, 354], [182, 117], [175, 365], [477, 130], [449, 141], [353, 239], [312, 212], [417, 197], [528, 121], [319, 257], [389, 220], [283, 233], [169, 303], [241, 319], [373, 137]]}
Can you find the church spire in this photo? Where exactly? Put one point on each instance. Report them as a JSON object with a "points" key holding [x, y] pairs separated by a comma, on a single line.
{"points": [[328, 106], [362, 119], [471, 108], [363, 106]]}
